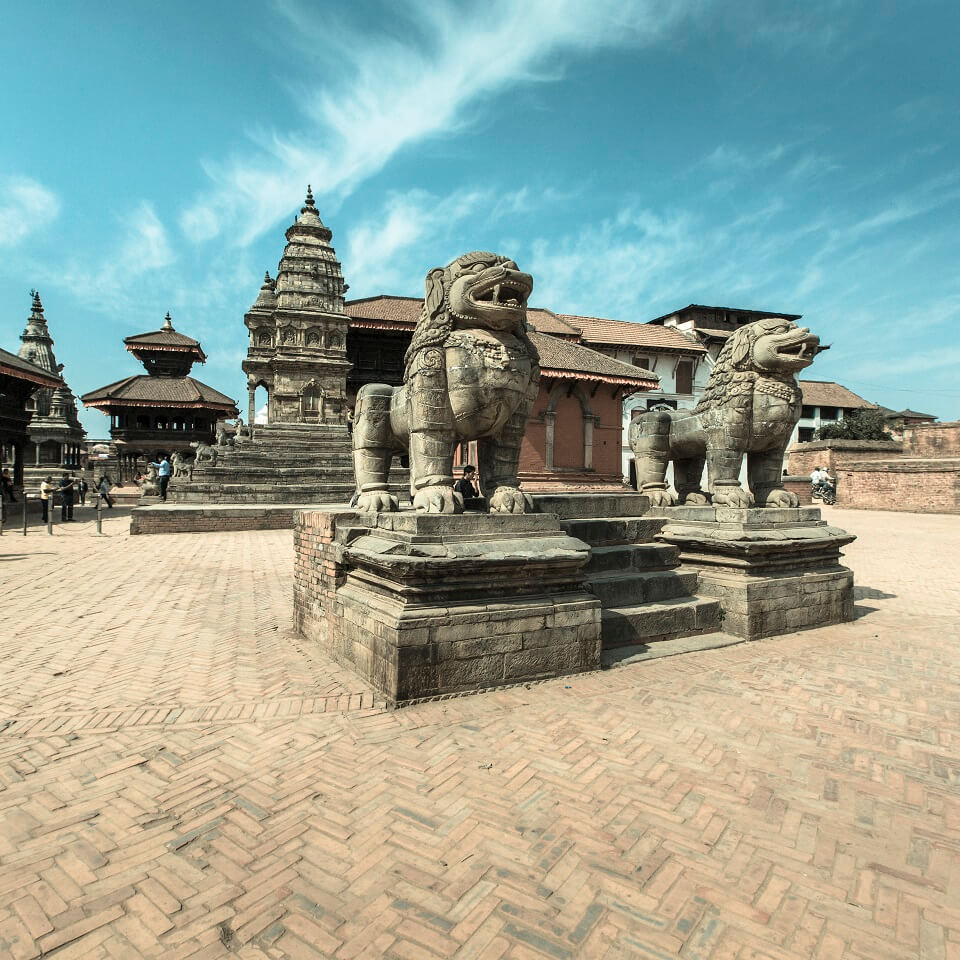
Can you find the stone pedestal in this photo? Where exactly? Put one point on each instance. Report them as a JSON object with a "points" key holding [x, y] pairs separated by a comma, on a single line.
{"points": [[773, 570], [422, 604]]}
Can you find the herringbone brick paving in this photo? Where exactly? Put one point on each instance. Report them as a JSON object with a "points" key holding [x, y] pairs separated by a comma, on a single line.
{"points": [[180, 778]]}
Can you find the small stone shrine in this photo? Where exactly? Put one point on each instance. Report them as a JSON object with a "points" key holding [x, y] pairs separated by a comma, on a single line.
{"points": [[56, 436]]}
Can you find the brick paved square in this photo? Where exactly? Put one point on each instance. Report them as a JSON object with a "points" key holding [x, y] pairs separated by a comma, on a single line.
{"points": [[180, 777]]}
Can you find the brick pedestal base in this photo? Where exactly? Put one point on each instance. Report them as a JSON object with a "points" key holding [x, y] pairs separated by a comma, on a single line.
{"points": [[422, 605], [773, 570]]}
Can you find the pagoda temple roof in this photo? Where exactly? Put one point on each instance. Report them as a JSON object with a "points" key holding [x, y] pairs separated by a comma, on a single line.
{"points": [[147, 391], [13, 366], [166, 339]]}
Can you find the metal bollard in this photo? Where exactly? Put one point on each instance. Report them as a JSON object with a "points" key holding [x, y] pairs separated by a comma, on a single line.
{"points": [[50, 516], [24, 514], [99, 514]]}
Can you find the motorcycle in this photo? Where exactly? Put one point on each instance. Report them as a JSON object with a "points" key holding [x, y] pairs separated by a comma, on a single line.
{"points": [[825, 492]]}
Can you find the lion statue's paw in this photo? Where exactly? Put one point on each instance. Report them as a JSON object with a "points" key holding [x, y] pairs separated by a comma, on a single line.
{"points": [[438, 500], [781, 498], [508, 500], [696, 498], [377, 501], [732, 497], [661, 496]]}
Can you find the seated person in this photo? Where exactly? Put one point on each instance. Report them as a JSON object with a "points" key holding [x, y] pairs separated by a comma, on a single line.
{"points": [[467, 486]]}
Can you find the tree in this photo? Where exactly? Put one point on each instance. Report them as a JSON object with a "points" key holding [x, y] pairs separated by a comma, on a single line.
{"points": [[862, 425]]}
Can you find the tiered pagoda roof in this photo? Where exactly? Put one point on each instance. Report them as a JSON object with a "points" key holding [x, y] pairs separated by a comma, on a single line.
{"points": [[167, 356]]}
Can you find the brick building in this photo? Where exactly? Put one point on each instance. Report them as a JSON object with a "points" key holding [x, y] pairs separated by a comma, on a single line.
{"points": [[825, 402]]}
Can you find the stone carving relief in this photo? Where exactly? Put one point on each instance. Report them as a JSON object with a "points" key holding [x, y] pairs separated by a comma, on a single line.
{"points": [[471, 374], [750, 406]]}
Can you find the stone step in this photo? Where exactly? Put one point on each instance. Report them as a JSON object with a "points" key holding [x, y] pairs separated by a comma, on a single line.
{"points": [[583, 506], [653, 622], [617, 589], [304, 473], [603, 532], [635, 556], [639, 652]]}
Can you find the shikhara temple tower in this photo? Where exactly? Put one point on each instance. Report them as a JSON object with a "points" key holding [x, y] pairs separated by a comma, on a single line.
{"points": [[298, 330], [55, 434]]}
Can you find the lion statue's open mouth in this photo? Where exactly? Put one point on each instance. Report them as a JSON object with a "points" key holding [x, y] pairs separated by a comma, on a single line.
{"points": [[493, 295]]}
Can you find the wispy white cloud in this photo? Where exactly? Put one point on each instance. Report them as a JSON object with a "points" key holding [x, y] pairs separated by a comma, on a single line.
{"points": [[25, 206], [400, 93], [116, 280]]}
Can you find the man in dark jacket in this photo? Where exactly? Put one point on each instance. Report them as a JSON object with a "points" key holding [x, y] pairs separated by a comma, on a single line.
{"points": [[66, 497]]}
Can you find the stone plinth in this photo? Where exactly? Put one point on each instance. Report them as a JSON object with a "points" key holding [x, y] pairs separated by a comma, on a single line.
{"points": [[773, 570], [424, 604]]}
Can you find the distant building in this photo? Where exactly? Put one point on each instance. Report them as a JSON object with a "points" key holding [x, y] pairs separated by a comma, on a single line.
{"points": [[825, 402], [899, 420], [55, 434], [164, 410]]}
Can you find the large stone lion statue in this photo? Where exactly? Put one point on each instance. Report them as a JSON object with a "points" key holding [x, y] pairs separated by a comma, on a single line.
{"points": [[750, 406], [471, 373]]}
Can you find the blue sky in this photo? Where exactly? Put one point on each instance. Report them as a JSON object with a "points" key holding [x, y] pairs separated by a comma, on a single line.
{"points": [[634, 155]]}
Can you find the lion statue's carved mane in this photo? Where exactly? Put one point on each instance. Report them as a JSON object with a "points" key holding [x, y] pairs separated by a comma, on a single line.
{"points": [[750, 406], [470, 373]]}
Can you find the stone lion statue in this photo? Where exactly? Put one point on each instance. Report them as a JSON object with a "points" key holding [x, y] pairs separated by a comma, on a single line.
{"points": [[205, 453], [149, 482], [182, 466], [471, 373], [750, 406]]}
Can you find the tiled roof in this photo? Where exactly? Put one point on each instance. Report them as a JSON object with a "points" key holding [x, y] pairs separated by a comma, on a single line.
{"points": [[625, 333], [143, 390], [14, 366], [397, 313], [162, 338], [559, 356], [716, 332], [404, 310], [908, 414], [756, 314], [826, 393]]}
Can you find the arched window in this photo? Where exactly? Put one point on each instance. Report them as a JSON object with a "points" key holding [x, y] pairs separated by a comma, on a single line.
{"points": [[311, 399]]}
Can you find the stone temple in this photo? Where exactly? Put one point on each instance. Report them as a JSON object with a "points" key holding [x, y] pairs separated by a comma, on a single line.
{"points": [[297, 353], [55, 434]]}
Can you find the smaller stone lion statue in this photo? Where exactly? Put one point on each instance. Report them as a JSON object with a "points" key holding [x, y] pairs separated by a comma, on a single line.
{"points": [[182, 466], [205, 453], [471, 373], [750, 406], [149, 482]]}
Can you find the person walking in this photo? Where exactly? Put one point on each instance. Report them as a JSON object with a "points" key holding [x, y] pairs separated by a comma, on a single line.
{"points": [[46, 488], [103, 491], [163, 475], [66, 498], [82, 488]]}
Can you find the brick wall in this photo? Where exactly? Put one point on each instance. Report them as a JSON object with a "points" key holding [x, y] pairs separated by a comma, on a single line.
{"points": [[205, 521], [834, 454], [932, 440], [913, 486]]}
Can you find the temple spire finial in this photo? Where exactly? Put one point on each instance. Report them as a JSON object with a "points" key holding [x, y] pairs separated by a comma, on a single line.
{"points": [[309, 204], [167, 323]]}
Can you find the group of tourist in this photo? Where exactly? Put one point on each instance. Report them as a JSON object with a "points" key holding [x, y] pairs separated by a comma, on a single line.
{"points": [[71, 489]]}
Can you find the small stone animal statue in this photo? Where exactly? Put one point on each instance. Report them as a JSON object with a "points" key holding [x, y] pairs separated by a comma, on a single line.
{"points": [[471, 373], [224, 439], [182, 466], [750, 406], [149, 484], [205, 453], [242, 432]]}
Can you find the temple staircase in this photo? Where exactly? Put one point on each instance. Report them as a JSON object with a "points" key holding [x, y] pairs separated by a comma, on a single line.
{"points": [[646, 597], [282, 463]]}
